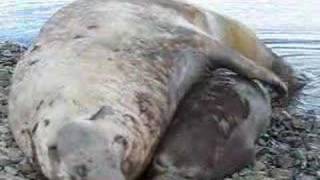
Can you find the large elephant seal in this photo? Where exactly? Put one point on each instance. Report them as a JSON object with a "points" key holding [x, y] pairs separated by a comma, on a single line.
{"points": [[214, 129], [92, 97]]}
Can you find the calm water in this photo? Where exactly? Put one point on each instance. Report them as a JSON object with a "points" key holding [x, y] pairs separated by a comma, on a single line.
{"points": [[290, 28]]}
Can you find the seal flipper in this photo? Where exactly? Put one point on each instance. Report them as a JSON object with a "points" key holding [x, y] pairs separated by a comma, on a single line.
{"points": [[242, 39], [220, 56]]}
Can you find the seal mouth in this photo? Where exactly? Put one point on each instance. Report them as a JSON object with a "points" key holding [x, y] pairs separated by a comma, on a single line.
{"points": [[85, 153]]}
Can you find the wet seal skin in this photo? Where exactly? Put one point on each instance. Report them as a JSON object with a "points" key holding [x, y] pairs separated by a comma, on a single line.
{"points": [[214, 130], [104, 77]]}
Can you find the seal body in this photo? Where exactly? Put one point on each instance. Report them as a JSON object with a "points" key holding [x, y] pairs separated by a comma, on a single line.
{"points": [[214, 129], [94, 94]]}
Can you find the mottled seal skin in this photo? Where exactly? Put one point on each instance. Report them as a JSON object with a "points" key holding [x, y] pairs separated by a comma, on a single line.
{"points": [[243, 40], [214, 130], [93, 95]]}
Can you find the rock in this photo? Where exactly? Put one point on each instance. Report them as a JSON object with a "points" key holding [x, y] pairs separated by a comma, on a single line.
{"points": [[297, 124], [25, 166], [13, 153], [298, 154], [293, 141], [7, 53], [281, 174], [13, 165], [4, 78], [284, 161], [305, 177], [262, 142], [4, 161], [309, 177], [11, 170], [9, 177], [10, 53], [246, 172], [260, 166]]}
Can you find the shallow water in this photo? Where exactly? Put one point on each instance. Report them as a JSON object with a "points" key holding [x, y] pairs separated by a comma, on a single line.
{"points": [[290, 28]]}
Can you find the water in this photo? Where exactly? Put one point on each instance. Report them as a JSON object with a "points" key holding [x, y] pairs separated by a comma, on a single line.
{"points": [[290, 28], [20, 20]]}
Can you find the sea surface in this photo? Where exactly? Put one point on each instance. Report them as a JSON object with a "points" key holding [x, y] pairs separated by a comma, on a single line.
{"points": [[290, 27]]}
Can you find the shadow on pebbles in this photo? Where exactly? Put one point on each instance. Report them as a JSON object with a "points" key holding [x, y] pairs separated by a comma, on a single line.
{"points": [[290, 149]]}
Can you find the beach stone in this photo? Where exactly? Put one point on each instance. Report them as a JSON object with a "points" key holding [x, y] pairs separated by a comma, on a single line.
{"points": [[4, 78], [298, 154], [25, 166], [7, 53], [260, 166], [285, 161], [297, 124], [4, 161], [11, 170], [280, 174], [305, 177], [9, 177]]}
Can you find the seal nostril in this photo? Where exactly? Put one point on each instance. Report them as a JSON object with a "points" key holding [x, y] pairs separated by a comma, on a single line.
{"points": [[53, 153], [52, 148], [160, 165]]}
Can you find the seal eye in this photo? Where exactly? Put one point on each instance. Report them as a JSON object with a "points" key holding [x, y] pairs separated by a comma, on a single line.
{"points": [[53, 153]]}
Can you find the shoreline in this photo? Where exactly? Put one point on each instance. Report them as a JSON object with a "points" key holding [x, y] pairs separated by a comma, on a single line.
{"points": [[290, 149]]}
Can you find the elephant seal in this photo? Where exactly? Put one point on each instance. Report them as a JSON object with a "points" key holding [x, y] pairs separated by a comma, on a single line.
{"points": [[93, 95], [214, 129]]}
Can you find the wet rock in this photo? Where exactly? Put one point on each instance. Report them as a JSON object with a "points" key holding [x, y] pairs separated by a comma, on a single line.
{"points": [[4, 78], [297, 124], [298, 154], [262, 142], [290, 147], [4, 161], [284, 161], [9, 177], [11, 170], [6, 53], [305, 177], [25, 166], [280, 174], [260, 166]]}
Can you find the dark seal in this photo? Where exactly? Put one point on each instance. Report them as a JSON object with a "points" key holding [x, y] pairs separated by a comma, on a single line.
{"points": [[214, 129]]}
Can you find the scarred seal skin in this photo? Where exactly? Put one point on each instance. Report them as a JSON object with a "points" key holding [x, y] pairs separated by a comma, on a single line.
{"points": [[93, 95], [214, 130]]}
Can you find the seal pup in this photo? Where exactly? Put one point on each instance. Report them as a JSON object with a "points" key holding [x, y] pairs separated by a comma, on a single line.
{"points": [[94, 94], [214, 129]]}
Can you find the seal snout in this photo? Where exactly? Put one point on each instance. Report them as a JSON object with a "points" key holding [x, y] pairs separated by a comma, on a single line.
{"points": [[86, 153]]}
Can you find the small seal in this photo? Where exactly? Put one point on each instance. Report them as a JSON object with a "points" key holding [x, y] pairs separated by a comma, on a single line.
{"points": [[94, 95], [214, 129]]}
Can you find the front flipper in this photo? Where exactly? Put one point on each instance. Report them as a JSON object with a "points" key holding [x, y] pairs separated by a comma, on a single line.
{"points": [[220, 56]]}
